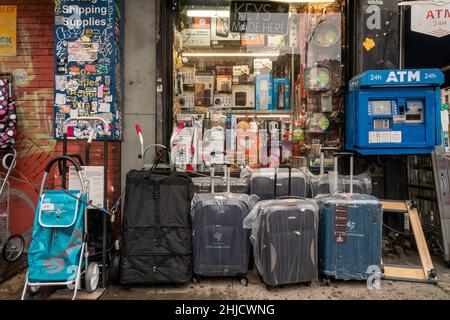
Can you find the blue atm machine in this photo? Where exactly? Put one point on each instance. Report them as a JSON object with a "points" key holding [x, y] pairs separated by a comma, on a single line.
{"points": [[394, 112]]}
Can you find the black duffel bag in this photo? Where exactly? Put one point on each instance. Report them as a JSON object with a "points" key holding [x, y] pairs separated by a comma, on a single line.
{"points": [[156, 245]]}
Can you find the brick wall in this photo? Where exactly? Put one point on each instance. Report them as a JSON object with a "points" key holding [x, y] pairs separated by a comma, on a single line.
{"points": [[33, 70]]}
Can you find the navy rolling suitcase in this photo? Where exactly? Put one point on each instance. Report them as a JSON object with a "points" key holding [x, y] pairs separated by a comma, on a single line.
{"points": [[263, 181], [221, 245], [284, 237], [350, 234]]}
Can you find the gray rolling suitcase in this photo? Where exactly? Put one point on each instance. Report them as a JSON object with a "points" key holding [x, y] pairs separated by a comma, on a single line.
{"points": [[284, 234], [362, 184], [221, 245], [263, 181]]}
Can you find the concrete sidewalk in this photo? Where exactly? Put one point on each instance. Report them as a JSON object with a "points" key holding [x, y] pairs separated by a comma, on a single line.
{"points": [[219, 288]]}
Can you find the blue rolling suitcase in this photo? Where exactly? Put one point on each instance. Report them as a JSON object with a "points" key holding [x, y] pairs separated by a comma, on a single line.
{"points": [[221, 245], [350, 234]]}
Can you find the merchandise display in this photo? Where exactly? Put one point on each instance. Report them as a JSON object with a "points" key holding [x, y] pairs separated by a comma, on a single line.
{"points": [[253, 76]]}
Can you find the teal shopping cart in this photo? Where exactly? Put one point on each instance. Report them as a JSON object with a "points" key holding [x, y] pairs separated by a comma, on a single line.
{"points": [[58, 253]]}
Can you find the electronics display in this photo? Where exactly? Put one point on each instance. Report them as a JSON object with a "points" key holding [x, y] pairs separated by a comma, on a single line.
{"points": [[243, 97], [275, 94], [394, 112]]}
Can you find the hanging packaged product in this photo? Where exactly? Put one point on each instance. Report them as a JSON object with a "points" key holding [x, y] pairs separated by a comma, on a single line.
{"points": [[252, 144], [224, 75], [204, 88], [263, 92], [281, 94], [181, 146], [221, 37], [274, 134], [242, 75], [262, 66], [263, 147], [198, 33], [213, 146], [243, 96], [317, 78], [230, 147]]}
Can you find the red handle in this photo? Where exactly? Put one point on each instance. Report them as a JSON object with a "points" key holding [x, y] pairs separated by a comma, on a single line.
{"points": [[138, 128]]}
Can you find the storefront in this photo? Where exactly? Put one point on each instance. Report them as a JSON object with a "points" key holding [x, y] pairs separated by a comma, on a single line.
{"points": [[257, 84]]}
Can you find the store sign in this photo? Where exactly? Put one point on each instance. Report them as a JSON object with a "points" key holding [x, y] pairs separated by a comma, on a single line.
{"points": [[8, 30], [258, 17], [432, 18]]}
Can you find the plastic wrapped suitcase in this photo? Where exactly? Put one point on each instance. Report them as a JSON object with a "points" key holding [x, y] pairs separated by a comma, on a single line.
{"points": [[350, 235], [263, 181], [156, 244], [284, 235], [362, 183], [221, 245]]}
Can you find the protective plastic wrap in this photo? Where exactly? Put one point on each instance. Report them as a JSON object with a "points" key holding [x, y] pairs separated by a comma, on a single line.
{"points": [[221, 245], [284, 234], [362, 184], [237, 185], [350, 236], [262, 183]]}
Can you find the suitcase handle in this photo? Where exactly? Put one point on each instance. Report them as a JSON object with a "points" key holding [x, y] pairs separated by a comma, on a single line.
{"points": [[282, 166], [338, 155], [291, 198]]}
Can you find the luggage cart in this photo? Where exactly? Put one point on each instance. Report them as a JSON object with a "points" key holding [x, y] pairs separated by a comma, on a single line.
{"points": [[58, 253], [98, 126], [12, 246]]}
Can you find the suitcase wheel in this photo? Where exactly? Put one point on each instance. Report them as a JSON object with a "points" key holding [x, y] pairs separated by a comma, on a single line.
{"points": [[195, 280], [244, 281], [327, 281], [269, 287], [308, 283]]}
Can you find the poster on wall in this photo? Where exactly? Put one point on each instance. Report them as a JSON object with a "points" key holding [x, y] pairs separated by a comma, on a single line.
{"points": [[431, 18], [8, 31], [88, 66]]}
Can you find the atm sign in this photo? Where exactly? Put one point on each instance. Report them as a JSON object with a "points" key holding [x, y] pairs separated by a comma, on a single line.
{"points": [[432, 18]]}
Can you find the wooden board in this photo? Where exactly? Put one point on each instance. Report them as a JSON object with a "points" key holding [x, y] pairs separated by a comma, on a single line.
{"points": [[421, 242], [404, 273], [421, 273], [394, 206], [81, 295]]}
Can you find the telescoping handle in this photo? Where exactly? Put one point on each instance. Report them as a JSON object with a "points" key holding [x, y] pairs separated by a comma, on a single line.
{"points": [[338, 155], [141, 141], [322, 157], [275, 180], [60, 161]]}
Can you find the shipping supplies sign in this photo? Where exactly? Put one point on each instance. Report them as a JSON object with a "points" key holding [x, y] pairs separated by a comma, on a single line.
{"points": [[87, 64], [431, 18], [256, 17], [8, 31]]}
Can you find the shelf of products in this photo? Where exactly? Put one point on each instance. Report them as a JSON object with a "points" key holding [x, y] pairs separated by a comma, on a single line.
{"points": [[256, 99]]}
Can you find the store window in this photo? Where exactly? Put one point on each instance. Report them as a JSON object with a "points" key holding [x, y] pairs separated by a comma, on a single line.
{"points": [[256, 83]]}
